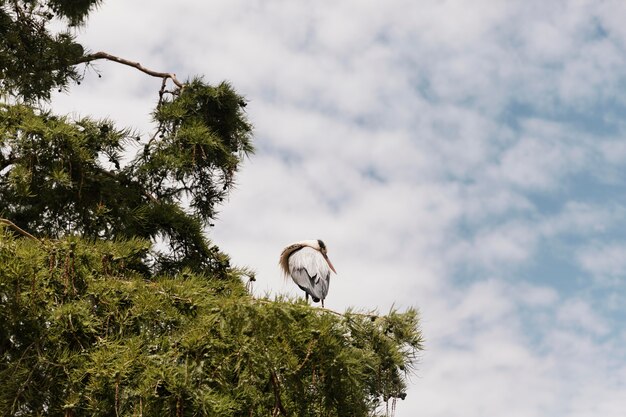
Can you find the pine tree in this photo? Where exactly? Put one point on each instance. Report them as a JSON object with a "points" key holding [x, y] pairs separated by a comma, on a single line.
{"points": [[96, 320]]}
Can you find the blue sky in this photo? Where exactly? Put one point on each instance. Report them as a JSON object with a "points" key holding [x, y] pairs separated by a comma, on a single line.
{"points": [[464, 158]]}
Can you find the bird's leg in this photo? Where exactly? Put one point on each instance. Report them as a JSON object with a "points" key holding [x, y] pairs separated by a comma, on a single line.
{"points": [[322, 303], [306, 294]]}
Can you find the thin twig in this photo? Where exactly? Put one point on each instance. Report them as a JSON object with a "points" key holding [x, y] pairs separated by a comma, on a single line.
{"points": [[137, 65], [278, 404], [117, 396], [18, 229], [162, 91], [309, 350]]}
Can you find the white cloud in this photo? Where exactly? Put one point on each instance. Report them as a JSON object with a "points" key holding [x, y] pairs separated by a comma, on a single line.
{"points": [[577, 218], [605, 261], [580, 314], [614, 150], [482, 362]]}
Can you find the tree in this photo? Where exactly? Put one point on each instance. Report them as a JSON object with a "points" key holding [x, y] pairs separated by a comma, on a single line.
{"points": [[95, 319]]}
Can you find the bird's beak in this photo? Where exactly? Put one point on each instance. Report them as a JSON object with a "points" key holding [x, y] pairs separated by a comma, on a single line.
{"points": [[330, 263]]}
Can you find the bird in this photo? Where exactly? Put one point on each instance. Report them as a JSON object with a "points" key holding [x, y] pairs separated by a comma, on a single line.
{"points": [[307, 263]]}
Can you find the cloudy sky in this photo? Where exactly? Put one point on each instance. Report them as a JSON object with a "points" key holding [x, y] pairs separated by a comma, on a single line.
{"points": [[464, 158]]}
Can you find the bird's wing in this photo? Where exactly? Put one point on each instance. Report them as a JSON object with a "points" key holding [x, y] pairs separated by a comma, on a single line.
{"points": [[310, 271], [320, 286], [302, 279]]}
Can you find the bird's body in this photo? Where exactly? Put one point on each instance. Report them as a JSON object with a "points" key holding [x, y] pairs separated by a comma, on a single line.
{"points": [[308, 266]]}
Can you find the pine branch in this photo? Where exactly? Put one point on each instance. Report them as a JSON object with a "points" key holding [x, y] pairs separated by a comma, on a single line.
{"points": [[137, 65], [326, 310]]}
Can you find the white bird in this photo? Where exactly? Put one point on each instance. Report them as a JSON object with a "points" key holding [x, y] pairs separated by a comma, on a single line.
{"points": [[309, 267]]}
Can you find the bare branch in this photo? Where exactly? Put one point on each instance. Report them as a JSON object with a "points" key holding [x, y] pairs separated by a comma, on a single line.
{"points": [[18, 229], [137, 65]]}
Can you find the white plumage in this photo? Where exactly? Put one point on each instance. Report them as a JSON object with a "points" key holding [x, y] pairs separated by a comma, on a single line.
{"points": [[309, 267]]}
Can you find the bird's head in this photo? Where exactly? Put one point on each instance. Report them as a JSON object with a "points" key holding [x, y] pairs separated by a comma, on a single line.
{"points": [[322, 248]]}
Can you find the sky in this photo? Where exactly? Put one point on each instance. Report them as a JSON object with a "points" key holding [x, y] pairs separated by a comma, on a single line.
{"points": [[463, 158]]}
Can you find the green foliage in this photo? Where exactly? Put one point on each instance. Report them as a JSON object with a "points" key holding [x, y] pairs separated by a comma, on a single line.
{"points": [[84, 333], [203, 136], [96, 320], [33, 59], [62, 177], [58, 179]]}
